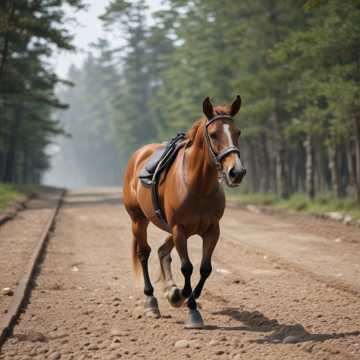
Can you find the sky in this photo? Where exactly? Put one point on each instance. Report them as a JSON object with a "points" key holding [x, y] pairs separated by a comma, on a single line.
{"points": [[88, 30]]}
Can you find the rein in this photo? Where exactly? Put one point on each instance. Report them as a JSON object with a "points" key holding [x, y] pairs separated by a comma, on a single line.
{"points": [[219, 157]]}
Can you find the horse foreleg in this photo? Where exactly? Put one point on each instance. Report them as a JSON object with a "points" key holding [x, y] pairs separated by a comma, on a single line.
{"points": [[139, 229], [194, 319], [210, 239]]}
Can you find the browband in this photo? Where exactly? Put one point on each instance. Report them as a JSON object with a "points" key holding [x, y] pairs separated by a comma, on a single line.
{"points": [[217, 117]]}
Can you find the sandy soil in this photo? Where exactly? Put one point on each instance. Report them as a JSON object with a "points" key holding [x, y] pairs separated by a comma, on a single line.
{"points": [[282, 288]]}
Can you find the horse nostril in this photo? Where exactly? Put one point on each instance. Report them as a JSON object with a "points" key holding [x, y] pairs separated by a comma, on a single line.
{"points": [[237, 175], [232, 173]]}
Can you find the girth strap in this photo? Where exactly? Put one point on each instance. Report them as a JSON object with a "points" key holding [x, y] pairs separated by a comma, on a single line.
{"points": [[173, 147]]}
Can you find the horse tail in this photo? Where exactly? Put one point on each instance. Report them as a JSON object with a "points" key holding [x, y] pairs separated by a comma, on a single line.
{"points": [[135, 260]]}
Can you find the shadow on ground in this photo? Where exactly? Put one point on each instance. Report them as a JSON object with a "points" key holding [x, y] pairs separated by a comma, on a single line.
{"points": [[280, 333]]}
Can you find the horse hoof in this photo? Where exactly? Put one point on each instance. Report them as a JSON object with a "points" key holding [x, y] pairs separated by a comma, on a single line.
{"points": [[151, 307], [194, 320], [174, 297]]}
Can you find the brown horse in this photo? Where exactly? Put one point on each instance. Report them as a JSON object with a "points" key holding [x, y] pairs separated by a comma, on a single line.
{"points": [[192, 200]]}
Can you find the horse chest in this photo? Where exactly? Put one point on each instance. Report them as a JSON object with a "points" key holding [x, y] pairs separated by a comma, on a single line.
{"points": [[194, 209]]}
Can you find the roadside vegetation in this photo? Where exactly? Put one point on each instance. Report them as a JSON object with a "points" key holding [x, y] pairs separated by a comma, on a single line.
{"points": [[8, 194], [12, 192], [320, 205]]}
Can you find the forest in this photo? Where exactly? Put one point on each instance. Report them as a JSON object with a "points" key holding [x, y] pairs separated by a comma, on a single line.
{"points": [[296, 65]]}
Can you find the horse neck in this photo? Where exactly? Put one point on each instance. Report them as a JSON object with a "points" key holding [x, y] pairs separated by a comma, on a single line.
{"points": [[202, 175]]}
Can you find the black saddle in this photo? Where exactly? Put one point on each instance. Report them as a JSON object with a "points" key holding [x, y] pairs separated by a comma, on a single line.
{"points": [[159, 161]]}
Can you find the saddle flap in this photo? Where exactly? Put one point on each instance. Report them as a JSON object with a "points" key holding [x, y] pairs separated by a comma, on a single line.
{"points": [[147, 172], [165, 156]]}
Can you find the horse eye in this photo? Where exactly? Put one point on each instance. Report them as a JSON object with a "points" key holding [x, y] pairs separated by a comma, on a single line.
{"points": [[238, 133], [213, 135]]}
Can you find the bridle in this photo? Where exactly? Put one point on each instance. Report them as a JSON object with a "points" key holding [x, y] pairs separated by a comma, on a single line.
{"points": [[219, 157]]}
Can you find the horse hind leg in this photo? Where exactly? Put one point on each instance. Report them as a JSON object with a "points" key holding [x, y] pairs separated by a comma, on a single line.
{"points": [[172, 292], [141, 253]]}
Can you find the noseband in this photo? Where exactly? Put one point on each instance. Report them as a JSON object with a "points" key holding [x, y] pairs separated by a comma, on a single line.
{"points": [[219, 157]]}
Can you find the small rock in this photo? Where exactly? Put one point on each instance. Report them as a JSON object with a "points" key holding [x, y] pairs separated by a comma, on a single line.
{"points": [[182, 344], [74, 268], [338, 240], [7, 291], [35, 336], [93, 347], [334, 215], [347, 219], [219, 352], [223, 271], [290, 339], [114, 332], [33, 351], [253, 208], [55, 356], [213, 343]]}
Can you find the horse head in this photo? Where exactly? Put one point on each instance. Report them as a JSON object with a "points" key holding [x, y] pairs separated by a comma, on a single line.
{"points": [[222, 137]]}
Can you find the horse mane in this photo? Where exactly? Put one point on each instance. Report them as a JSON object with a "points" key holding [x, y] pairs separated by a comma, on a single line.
{"points": [[191, 133], [218, 110]]}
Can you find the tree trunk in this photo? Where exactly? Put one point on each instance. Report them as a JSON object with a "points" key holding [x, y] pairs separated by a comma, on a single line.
{"points": [[350, 168], [5, 49], [265, 164], [281, 165], [309, 167], [357, 156], [253, 167], [10, 161], [333, 167]]}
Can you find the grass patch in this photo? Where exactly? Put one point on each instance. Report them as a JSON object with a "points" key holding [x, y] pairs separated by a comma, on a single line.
{"points": [[299, 202], [9, 193]]}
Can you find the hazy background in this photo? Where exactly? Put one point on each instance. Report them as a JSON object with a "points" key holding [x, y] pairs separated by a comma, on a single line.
{"points": [[87, 29], [141, 72]]}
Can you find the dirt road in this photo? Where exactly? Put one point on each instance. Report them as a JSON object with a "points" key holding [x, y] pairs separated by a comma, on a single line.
{"points": [[282, 288]]}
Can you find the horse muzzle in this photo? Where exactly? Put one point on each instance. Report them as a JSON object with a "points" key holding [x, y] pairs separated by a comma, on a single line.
{"points": [[234, 176]]}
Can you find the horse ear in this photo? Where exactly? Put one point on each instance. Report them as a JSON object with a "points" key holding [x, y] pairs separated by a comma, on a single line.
{"points": [[208, 108], [235, 106]]}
